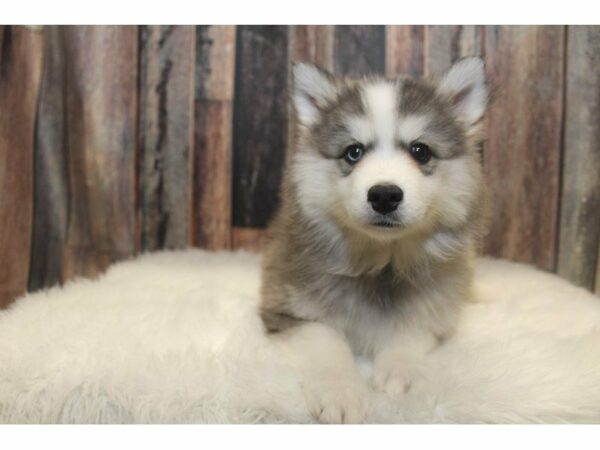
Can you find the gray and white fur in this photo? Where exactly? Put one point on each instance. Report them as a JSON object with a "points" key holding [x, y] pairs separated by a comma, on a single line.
{"points": [[372, 247]]}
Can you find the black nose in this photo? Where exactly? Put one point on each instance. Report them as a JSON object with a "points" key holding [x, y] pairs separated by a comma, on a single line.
{"points": [[384, 198]]}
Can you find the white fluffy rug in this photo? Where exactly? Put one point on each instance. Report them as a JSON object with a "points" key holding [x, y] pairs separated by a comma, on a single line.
{"points": [[174, 337]]}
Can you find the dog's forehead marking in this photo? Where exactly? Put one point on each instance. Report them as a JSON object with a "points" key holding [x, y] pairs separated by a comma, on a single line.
{"points": [[381, 100], [412, 126]]}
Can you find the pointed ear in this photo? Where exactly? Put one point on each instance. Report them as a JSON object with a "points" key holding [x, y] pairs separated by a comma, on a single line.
{"points": [[464, 85], [313, 88]]}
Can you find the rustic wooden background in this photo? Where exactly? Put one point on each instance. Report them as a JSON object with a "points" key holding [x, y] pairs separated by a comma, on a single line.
{"points": [[116, 140]]}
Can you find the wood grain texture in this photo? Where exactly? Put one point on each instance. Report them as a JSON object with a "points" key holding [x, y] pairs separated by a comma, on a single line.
{"points": [[313, 44], [522, 153], [20, 74], [359, 50], [405, 50], [50, 168], [251, 239], [166, 135], [101, 84], [597, 288], [447, 43], [260, 122], [215, 63], [580, 205]]}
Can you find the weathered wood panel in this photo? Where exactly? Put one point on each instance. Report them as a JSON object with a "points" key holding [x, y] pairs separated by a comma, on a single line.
{"points": [[405, 50], [215, 64], [447, 43], [166, 135], [522, 153], [20, 74], [51, 174], [101, 84], [260, 122], [313, 44], [251, 239], [359, 50], [597, 290], [580, 210]]}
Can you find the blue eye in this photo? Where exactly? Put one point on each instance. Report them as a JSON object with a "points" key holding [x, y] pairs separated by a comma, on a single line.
{"points": [[354, 153], [420, 152]]}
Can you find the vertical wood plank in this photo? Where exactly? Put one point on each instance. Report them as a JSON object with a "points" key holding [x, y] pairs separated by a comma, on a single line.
{"points": [[597, 289], [313, 44], [522, 153], [359, 50], [101, 95], [21, 54], [166, 135], [50, 168], [215, 63], [580, 205], [405, 50], [260, 122], [447, 43]]}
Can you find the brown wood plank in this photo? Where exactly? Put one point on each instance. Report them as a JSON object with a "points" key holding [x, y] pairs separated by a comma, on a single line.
{"points": [[522, 153], [260, 122], [597, 289], [166, 135], [313, 44], [20, 74], [51, 174], [251, 239], [447, 43], [580, 204], [215, 63], [405, 50], [101, 96], [359, 50]]}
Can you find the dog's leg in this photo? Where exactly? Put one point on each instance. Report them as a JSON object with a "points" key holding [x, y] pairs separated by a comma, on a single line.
{"points": [[399, 362], [335, 391]]}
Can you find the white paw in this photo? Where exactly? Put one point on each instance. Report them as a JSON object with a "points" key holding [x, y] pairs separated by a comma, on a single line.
{"points": [[393, 376], [339, 401]]}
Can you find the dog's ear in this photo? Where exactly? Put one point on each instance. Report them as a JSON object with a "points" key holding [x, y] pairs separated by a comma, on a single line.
{"points": [[465, 87], [313, 89]]}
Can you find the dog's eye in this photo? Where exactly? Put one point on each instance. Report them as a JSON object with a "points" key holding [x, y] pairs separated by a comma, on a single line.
{"points": [[354, 153], [420, 152]]}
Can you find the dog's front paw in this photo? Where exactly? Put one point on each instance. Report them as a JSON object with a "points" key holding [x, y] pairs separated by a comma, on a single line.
{"points": [[339, 401], [393, 376]]}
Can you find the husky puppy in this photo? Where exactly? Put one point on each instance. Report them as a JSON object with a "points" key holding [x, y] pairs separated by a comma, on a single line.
{"points": [[372, 248]]}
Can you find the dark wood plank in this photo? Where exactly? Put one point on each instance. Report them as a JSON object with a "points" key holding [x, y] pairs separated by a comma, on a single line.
{"points": [[166, 135], [215, 63], [359, 50], [522, 153], [405, 50], [51, 174], [580, 204], [20, 74], [101, 105], [447, 43], [260, 122]]}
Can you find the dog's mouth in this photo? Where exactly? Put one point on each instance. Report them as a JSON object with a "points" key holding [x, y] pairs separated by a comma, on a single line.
{"points": [[385, 224]]}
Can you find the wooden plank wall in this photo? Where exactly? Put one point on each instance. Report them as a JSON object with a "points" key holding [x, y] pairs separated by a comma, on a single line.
{"points": [[116, 140]]}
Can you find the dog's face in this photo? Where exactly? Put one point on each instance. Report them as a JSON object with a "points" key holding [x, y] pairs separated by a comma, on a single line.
{"points": [[389, 157]]}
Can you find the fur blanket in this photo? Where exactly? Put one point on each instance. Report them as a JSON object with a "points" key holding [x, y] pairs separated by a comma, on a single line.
{"points": [[174, 337]]}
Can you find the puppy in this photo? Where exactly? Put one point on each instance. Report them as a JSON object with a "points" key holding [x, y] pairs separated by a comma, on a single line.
{"points": [[372, 247]]}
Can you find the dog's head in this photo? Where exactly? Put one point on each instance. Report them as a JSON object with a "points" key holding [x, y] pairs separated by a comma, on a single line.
{"points": [[387, 157]]}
